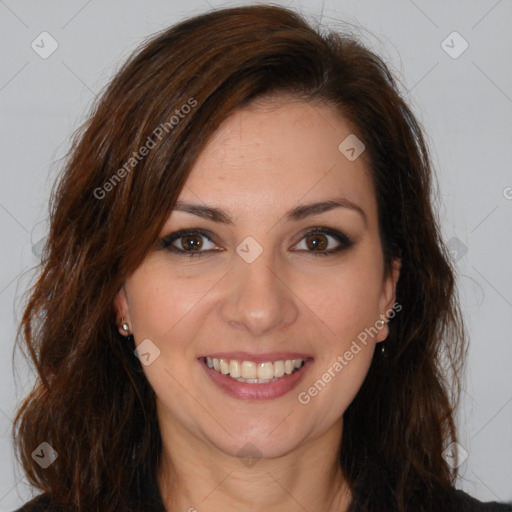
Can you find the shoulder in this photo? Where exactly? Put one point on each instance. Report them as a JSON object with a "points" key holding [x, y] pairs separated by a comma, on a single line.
{"points": [[466, 503], [41, 503]]}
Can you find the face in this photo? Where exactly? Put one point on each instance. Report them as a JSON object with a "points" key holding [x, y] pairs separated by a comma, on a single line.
{"points": [[263, 281]]}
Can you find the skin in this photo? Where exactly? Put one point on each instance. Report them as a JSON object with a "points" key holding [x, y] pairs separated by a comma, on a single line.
{"points": [[263, 161]]}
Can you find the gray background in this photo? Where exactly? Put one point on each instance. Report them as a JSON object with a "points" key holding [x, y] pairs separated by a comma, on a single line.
{"points": [[464, 103]]}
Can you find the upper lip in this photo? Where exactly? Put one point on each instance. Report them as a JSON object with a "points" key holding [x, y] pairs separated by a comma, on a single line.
{"points": [[257, 358]]}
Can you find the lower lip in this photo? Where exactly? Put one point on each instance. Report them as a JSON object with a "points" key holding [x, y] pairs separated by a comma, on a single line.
{"points": [[246, 391]]}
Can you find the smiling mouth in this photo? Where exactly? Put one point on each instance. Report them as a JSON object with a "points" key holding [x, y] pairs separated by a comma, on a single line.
{"points": [[251, 372]]}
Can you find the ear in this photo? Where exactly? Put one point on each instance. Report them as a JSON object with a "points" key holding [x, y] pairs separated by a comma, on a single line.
{"points": [[388, 297], [122, 312]]}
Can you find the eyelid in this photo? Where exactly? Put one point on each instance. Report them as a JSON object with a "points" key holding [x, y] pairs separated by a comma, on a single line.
{"points": [[342, 238], [167, 241]]}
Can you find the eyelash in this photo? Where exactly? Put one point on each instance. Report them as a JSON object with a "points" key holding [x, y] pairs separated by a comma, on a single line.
{"points": [[166, 242]]}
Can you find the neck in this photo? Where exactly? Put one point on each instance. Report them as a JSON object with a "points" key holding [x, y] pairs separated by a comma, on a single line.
{"points": [[196, 475]]}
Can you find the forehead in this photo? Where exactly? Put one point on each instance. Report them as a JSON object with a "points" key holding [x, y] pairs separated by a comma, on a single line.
{"points": [[275, 154]]}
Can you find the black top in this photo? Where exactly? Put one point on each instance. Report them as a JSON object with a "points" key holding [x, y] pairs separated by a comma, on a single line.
{"points": [[466, 503]]}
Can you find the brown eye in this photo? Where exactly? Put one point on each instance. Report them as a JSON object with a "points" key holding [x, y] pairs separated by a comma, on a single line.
{"points": [[317, 242], [191, 242], [322, 242]]}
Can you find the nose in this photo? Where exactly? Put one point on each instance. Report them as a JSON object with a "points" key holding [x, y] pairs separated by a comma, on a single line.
{"points": [[259, 300]]}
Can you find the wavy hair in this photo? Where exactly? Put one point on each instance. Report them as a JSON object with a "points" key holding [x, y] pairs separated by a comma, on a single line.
{"points": [[91, 401]]}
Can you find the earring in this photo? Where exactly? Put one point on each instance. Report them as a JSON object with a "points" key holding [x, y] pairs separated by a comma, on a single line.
{"points": [[380, 324], [125, 326]]}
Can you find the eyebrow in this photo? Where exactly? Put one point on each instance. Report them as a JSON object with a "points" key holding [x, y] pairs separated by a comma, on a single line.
{"points": [[298, 213]]}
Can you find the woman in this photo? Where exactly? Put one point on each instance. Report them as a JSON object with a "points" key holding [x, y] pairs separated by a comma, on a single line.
{"points": [[244, 301]]}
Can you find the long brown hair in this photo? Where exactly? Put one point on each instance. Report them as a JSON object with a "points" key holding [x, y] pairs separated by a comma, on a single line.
{"points": [[91, 401]]}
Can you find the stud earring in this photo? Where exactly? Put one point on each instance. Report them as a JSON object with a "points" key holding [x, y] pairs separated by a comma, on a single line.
{"points": [[381, 325], [125, 326]]}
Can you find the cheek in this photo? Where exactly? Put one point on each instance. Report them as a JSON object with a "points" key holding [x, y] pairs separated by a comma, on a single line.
{"points": [[164, 308], [330, 390], [344, 299], [160, 300]]}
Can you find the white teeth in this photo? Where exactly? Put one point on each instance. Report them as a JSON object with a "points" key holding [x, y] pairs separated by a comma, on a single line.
{"points": [[265, 371], [249, 370], [224, 366], [234, 369], [254, 373], [278, 368]]}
